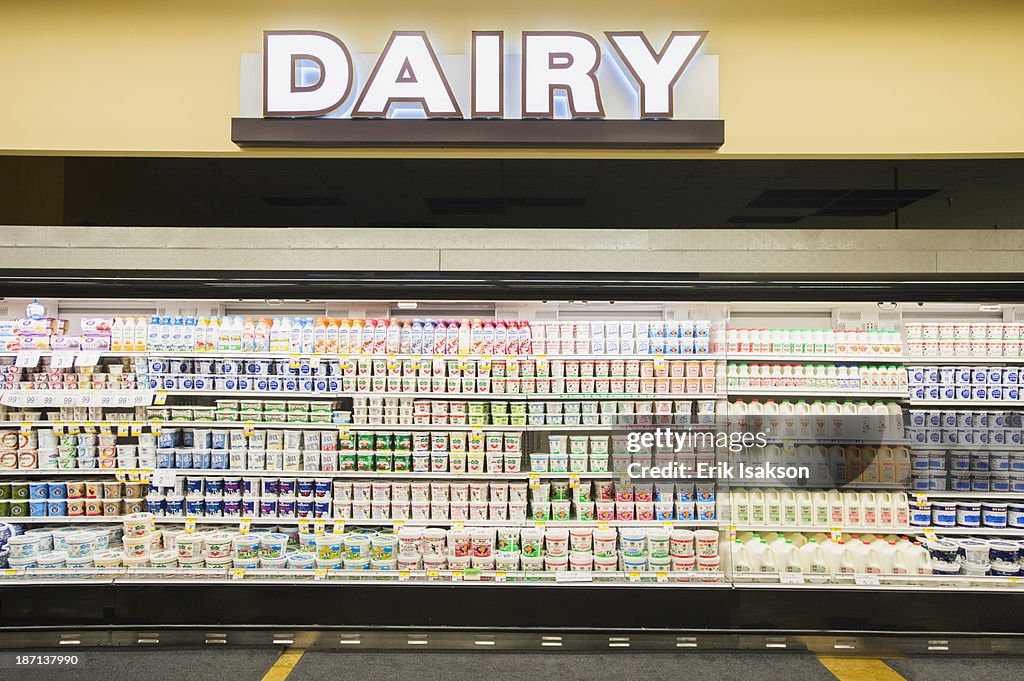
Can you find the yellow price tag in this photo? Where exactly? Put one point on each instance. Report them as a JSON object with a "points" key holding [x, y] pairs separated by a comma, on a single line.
{"points": [[319, 526], [123, 429], [136, 428], [303, 526], [58, 428], [574, 481], [155, 427], [456, 575], [339, 528], [661, 577], [836, 533], [398, 523], [499, 576], [930, 534], [667, 524], [190, 525], [121, 475], [403, 575], [458, 524], [26, 427], [105, 428], [539, 524], [244, 524], [433, 574], [237, 573], [534, 480], [320, 573], [73, 428], [249, 429], [602, 525], [90, 427], [10, 573], [634, 576], [133, 475], [294, 361], [160, 398]]}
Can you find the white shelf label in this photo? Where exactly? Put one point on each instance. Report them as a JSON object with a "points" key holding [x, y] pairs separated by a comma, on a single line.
{"points": [[62, 359], [867, 580], [791, 578], [88, 358], [164, 477], [27, 359], [569, 576]]}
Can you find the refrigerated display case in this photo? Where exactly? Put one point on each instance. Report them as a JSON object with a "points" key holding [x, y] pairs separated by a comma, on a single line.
{"points": [[466, 453]]}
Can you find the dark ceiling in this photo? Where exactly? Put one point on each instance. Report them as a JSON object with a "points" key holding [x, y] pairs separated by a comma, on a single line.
{"points": [[530, 193]]}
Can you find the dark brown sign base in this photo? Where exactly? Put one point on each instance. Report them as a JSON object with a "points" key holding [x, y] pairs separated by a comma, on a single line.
{"points": [[494, 133]]}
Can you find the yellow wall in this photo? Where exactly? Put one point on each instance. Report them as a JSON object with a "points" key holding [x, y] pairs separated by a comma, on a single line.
{"points": [[798, 77]]}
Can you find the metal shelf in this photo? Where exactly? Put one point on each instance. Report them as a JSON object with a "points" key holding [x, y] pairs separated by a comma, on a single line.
{"points": [[367, 522], [954, 359], [819, 392], [936, 494], [503, 397], [959, 531], [422, 356], [775, 527], [795, 358], [966, 403]]}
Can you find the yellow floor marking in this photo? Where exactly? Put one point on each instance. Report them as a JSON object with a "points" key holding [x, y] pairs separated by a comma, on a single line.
{"points": [[859, 669], [284, 665]]}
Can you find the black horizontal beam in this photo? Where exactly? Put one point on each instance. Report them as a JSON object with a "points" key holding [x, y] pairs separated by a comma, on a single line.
{"points": [[479, 133], [486, 286]]}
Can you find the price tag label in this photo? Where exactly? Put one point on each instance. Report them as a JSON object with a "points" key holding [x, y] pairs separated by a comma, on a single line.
{"points": [[237, 573], [320, 574], [294, 361], [634, 576], [26, 427], [432, 574], [457, 575], [667, 524], [836, 533], [922, 499], [930, 534], [602, 525], [398, 523], [89, 358], [866, 580], [249, 429], [791, 577], [105, 428], [121, 474], [74, 427], [458, 524], [499, 576], [319, 526], [136, 428], [534, 480], [539, 524], [62, 359], [27, 359], [90, 427], [303, 526], [155, 427], [314, 361], [403, 575], [58, 428], [10, 573], [123, 428], [190, 525], [133, 474], [732, 533], [512, 363], [87, 399], [661, 577], [574, 481], [659, 361], [160, 398], [339, 528], [244, 524]]}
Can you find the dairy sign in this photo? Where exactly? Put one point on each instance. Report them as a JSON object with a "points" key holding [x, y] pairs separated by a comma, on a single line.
{"points": [[506, 84]]}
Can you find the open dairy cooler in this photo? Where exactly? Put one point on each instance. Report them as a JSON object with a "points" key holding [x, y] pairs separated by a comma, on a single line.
{"points": [[664, 465]]}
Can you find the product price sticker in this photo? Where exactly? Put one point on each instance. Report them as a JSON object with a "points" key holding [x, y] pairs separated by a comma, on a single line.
{"points": [[539, 524], [930, 534], [667, 524], [58, 428], [237, 573], [294, 361], [319, 526], [661, 577], [574, 481], [90, 427], [922, 499], [659, 362], [512, 363], [134, 474], [433, 574], [27, 359], [164, 477], [74, 427], [499, 576], [602, 525], [155, 427], [457, 575], [89, 358], [303, 526], [866, 580], [339, 528], [791, 578], [26, 427], [416, 363], [105, 428], [244, 525], [403, 575], [10, 573], [320, 574], [123, 428], [249, 429], [542, 363], [62, 359], [534, 480], [160, 398], [314, 360], [634, 577], [398, 523], [732, 533], [190, 525], [121, 474], [136, 428], [458, 524]]}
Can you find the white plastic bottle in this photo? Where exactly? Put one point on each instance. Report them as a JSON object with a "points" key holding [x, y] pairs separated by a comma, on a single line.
{"points": [[153, 333], [177, 333], [813, 562], [127, 334], [295, 335], [117, 335]]}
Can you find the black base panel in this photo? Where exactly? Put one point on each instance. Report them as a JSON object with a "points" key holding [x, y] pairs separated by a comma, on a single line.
{"points": [[598, 286], [577, 608]]}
